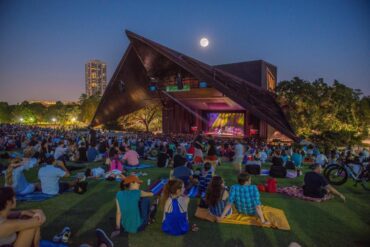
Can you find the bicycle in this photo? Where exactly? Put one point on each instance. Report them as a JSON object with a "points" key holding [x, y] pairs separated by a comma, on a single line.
{"points": [[338, 174]]}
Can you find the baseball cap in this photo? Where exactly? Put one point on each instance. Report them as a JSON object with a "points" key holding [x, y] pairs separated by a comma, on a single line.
{"points": [[132, 179]]}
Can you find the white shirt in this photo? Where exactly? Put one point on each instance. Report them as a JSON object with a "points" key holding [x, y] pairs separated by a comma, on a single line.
{"points": [[59, 152]]}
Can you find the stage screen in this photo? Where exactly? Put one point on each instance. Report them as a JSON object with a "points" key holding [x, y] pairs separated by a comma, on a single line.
{"points": [[225, 124]]}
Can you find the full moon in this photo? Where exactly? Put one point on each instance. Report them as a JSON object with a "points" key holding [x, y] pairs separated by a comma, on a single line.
{"points": [[204, 42]]}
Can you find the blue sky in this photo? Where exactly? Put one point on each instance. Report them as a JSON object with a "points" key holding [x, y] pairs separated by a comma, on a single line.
{"points": [[45, 44]]}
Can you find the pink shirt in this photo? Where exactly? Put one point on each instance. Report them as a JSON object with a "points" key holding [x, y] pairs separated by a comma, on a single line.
{"points": [[132, 158]]}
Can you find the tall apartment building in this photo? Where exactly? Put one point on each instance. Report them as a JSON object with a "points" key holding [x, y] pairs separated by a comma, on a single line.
{"points": [[95, 77]]}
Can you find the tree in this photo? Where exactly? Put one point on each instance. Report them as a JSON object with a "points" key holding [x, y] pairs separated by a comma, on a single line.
{"points": [[4, 112], [146, 119], [319, 111], [88, 106]]}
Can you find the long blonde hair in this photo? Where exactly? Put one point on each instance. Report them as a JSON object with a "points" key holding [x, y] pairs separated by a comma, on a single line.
{"points": [[9, 171], [170, 188]]}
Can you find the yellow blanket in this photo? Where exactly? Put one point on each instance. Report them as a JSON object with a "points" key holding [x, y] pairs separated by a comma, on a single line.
{"points": [[275, 216]]}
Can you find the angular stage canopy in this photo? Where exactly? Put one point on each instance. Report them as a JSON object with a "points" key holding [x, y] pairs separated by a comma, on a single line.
{"points": [[145, 59]]}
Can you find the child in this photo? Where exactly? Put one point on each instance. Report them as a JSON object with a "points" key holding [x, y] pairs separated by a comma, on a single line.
{"points": [[175, 214], [205, 178]]}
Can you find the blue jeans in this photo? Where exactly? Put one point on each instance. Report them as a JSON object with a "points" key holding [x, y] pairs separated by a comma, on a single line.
{"points": [[144, 205]]}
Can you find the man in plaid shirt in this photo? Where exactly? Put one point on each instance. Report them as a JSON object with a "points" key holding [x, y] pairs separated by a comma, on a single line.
{"points": [[245, 197]]}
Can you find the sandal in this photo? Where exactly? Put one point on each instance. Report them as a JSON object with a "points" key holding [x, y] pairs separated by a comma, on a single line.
{"points": [[194, 228]]}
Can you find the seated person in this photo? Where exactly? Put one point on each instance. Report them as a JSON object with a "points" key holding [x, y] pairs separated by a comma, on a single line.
{"points": [[60, 152], [245, 197], [175, 212], [205, 177], [217, 196], [180, 157], [316, 185], [163, 157], [50, 175], [131, 157], [82, 153], [18, 229], [185, 174], [14, 176], [133, 206], [92, 153], [277, 169]]}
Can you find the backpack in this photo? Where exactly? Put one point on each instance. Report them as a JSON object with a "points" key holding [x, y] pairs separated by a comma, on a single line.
{"points": [[271, 185]]}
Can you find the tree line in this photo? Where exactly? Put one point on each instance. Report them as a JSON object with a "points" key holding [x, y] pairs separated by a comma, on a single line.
{"points": [[330, 115]]}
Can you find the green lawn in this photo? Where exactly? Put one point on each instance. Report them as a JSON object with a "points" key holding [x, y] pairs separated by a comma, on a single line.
{"points": [[331, 223]]}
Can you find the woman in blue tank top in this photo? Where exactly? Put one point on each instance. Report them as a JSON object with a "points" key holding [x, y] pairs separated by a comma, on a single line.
{"points": [[175, 216]]}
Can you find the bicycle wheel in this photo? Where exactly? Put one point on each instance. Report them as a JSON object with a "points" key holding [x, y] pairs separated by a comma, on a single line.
{"points": [[365, 180], [325, 172], [336, 175]]}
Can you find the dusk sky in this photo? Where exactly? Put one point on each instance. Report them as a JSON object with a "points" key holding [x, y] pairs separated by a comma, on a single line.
{"points": [[45, 44]]}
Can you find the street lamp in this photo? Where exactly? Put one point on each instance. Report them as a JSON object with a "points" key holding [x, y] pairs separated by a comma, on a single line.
{"points": [[21, 119], [54, 119], [74, 119]]}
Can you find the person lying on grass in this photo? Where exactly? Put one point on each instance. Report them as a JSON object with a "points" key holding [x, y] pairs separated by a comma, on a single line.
{"points": [[316, 185], [18, 229], [175, 209], [245, 197], [133, 207], [217, 197], [50, 175]]}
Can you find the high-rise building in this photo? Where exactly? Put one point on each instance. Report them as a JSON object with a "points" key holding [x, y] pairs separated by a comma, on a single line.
{"points": [[95, 77]]}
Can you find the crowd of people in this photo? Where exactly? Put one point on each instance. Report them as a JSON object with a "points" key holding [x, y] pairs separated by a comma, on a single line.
{"points": [[193, 160]]}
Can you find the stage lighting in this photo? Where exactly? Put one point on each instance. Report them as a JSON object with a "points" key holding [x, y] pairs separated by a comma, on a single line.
{"points": [[152, 88], [180, 84], [203, 84]]}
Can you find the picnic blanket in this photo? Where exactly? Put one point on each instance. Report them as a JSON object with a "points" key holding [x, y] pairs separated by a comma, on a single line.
{"points": [[141, 166], [297, 192], [275, 216], [157, 187], [193, 191], [33, 197]]}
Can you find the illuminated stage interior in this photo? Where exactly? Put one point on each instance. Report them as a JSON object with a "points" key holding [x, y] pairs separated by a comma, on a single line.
{"points": [[225, 124]]}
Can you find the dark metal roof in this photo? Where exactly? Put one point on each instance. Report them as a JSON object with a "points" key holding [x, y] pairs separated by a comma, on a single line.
{"points": [[145, 58]]}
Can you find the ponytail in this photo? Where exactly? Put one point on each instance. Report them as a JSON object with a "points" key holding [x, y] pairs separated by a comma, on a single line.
{"points": [[170, 189]]}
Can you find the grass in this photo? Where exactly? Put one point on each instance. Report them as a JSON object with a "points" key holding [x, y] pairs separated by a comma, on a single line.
{"points": [[331, 223]]}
